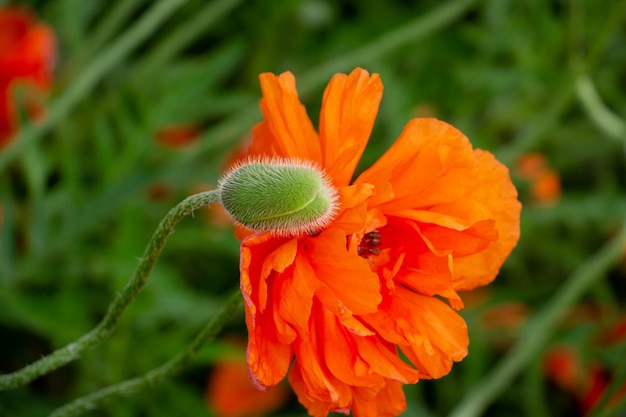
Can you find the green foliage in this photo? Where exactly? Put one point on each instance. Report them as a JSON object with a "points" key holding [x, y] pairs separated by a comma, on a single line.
{"points": [[82, 191]]}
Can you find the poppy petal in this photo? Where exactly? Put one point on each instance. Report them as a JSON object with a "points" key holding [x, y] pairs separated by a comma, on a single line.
{"points": [[346, 274], [428, 331], [428, 165], [296, 295], [286, 129], [389, 402], [499, 196], [349, 109]]}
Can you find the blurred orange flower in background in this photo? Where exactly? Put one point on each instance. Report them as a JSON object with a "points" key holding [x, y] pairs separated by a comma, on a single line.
{"points": [[27, 54], [545, 182], [177, 136], [430, 218], [588, 377], [230, 393]]}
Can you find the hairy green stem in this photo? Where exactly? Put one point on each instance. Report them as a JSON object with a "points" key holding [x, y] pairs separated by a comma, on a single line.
{"points": [[157, 375], [90, 76], [538, 330], [72, 351]]}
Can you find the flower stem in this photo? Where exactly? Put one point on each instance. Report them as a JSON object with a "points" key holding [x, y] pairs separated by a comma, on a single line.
{"points": [[157, 375], [539, 329], [72, 351], [597, 111]]}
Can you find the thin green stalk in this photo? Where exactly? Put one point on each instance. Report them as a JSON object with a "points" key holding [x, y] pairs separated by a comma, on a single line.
{"points": [[598, 112], [72, 351], [84, 82], [537, 332], [157, 375]]}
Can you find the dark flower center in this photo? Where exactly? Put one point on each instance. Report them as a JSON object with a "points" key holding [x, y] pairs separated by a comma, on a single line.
{"points": [[369, 244]]}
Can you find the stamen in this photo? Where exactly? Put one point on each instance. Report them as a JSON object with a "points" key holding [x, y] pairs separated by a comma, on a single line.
{"points": [[369, 244]]}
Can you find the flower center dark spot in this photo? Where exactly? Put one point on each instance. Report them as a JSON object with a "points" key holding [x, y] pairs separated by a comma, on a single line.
{"points": [[369, 244]]}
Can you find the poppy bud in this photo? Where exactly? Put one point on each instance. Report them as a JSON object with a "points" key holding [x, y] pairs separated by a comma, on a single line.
{"points": [[285, 196]]}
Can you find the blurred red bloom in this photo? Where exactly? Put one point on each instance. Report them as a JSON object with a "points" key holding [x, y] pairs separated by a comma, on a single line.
{"points": [[339, 309], [586, 379], [177, 136], [27, 54], [230, 392], [545, 182]]}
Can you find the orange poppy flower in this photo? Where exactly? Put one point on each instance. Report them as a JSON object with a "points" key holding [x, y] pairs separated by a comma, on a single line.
{"points": [[27, 53], [334, 309]]}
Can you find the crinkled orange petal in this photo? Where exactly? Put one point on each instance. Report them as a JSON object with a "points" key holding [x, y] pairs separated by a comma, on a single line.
{"points": [[268, 358], [316, 408], [341, 354], [284, 331], [319, 383], [286, 129], [260, 254], [346, 274], [348, 113], [296, 295], [384, 360], [389, 402], [429, 164], [428, 331], [443, 241], [267, 331], [331, 301], [499, 196], [422, 269], [353, 207], [276, 260]]}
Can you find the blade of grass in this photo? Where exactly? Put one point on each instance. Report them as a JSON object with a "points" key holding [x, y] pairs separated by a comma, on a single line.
{"points": [[538, 330], [598, 112]]}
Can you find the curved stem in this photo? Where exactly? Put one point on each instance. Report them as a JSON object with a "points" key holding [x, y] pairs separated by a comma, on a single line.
{"points": [[72, 351], [538, 330], [597, 111], [157, 375]]}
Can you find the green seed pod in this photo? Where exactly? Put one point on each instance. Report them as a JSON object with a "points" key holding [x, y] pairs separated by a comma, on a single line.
{"points": [[285, 196]]}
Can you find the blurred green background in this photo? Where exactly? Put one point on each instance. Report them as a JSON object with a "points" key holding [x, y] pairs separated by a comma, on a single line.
{"points": [[82, 192]]}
